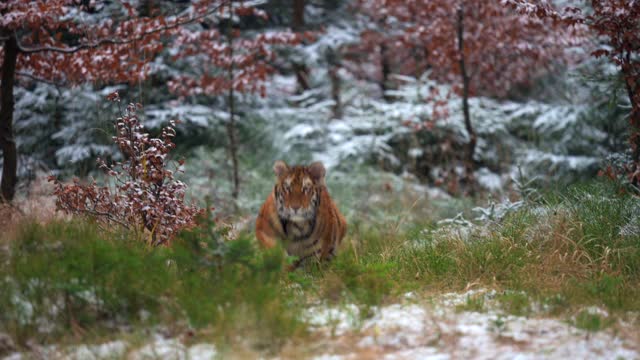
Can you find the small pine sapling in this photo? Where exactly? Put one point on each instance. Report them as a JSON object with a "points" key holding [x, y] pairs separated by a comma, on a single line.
{"points": [[145, 197]]}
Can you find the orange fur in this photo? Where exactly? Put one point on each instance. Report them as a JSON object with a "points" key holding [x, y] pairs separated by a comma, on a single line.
{"points": [[300, 213]]}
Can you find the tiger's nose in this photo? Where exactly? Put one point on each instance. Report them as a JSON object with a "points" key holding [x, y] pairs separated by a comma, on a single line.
{"points": [[295, 208]]}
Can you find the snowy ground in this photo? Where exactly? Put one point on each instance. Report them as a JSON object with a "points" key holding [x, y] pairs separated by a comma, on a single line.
{"points": [[424, 328], [414, 330]]}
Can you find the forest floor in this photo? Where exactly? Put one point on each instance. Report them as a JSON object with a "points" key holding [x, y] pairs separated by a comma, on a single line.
{"points": [[444, 328], [434, 328]]}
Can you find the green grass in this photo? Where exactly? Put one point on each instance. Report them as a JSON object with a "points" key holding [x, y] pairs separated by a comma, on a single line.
{"points": [[71, 277], [565, 252], [591, 322], [515, 303], [475, 303]]}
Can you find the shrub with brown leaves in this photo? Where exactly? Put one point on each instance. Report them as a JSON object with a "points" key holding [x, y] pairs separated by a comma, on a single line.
{"points": [[144, 195]]}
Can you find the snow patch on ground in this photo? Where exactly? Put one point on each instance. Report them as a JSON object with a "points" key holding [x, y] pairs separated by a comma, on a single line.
{"points": [[173, 349], [397, 325], [438, 331], [417, 327], [108, 350], [160, 348], [335, 320]]}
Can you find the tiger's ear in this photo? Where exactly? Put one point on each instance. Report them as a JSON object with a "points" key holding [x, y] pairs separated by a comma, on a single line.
{"points": [[317, 171], [280, 168]]}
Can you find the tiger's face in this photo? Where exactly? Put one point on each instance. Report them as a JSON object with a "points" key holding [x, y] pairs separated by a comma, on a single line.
{"points": [[297, 190]]}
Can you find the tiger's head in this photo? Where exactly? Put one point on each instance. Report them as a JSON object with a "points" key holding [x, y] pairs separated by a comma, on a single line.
{"points": [[297, 190]]}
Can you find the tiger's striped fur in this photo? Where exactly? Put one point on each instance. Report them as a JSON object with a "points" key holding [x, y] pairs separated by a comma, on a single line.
{"points": [[300, 213]]}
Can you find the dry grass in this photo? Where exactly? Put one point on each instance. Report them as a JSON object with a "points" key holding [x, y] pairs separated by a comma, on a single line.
{"points": [[37, 204], [559, 254]]}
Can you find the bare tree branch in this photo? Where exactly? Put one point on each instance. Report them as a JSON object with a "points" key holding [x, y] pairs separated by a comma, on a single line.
{"points": [[106, 215], [111, 41], [42, 80]]}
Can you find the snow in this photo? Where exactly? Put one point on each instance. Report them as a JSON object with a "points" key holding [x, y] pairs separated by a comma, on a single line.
{"points": [[102, 351], [401, 326], [556, 118], [334, 36], [172, 349], [417, 327], [370, 129], [202, 352], [415, 152], [331, 357], [555, 162], [438, 331], [457, 221], [300, 131], [158, 349], [595, 310], [488, 179], [426, 353], [632, 228], [198, 115], [108, 350], [496, 211], [332, 319], [23, 309]]}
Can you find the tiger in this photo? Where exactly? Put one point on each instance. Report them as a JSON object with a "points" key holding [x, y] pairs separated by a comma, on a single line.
{"points": [[300, 213]]}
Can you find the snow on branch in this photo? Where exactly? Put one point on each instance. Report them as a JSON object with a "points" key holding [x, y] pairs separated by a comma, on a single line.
{"points": [[145, 197]]}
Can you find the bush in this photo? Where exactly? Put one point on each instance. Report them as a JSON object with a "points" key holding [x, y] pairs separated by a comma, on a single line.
{"points": [[145, 198]]}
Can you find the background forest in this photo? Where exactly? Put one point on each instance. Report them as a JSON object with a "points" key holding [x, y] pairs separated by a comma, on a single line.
{"points": [[359, 85], [470, 145]]}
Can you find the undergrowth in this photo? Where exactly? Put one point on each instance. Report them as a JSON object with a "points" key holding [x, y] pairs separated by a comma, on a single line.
{"points": [[567, 250], [67, 280]]}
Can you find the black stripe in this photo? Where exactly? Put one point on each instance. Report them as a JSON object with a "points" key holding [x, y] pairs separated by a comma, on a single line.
{"points": [[283, 222], [321, 228], [312, 244], [271, 224], [312, 226], [301, 237]]}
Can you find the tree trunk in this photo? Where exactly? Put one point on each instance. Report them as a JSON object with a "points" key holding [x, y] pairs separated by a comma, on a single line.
{"points": [[146, 8], [335, 92], [471, 146], [231, 125], [298, 15], [386, 71], [297, 24], [634, 119], [302, 77], [631, 84], [334, 77], [7, 141], [233, 146]]}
